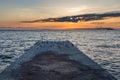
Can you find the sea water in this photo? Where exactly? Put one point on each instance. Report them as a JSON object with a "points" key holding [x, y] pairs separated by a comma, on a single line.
{"points": [[102, 46]]}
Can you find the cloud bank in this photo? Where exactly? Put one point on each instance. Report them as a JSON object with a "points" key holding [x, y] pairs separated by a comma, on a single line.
{"points": [[78, 18]]}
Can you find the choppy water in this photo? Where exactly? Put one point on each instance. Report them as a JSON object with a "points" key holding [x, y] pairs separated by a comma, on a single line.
{"points": [[103, 46]]}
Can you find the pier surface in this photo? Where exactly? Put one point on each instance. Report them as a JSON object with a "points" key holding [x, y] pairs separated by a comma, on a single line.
{"points": [[50, 60]]}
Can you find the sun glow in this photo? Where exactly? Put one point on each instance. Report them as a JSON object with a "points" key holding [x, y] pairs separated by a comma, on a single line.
{"points": [[76, 10]]}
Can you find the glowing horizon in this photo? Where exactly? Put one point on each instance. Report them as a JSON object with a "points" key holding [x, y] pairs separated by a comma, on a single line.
{"points": [[108, 23], [13, 11]]}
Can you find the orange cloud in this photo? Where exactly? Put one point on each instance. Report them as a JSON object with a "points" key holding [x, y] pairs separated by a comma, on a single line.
{"points": [[58, 25], [109, 22]]}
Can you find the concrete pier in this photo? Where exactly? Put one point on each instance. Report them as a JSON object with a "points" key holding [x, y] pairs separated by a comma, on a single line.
{"points": [[55, 60]]}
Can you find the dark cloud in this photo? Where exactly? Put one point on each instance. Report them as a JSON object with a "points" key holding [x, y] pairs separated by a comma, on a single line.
{"points": [[78, 18]]}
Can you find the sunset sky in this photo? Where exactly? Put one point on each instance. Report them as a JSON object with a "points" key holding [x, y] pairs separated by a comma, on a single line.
{"points": [[12, 12]]}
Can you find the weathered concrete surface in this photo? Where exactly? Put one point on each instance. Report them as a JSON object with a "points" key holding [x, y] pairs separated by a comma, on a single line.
{"points": [[54, 61]]}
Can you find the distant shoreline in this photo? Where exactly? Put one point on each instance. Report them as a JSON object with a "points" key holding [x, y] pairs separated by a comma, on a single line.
{"points": [[57, 29]]}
